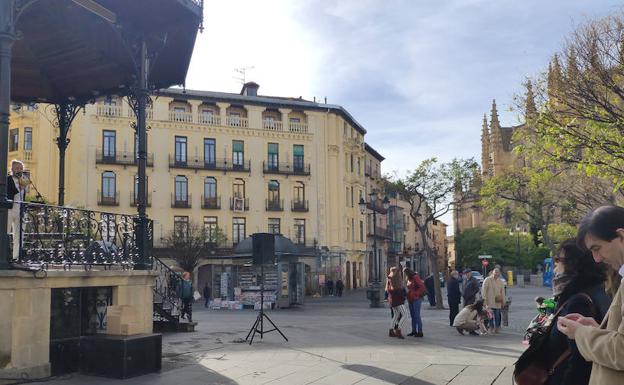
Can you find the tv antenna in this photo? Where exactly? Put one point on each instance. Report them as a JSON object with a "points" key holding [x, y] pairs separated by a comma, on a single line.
{"points": [[242, 71]]}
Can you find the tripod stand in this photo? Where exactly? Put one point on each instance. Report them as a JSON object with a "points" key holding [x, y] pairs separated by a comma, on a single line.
{"points": [[258, 326]]}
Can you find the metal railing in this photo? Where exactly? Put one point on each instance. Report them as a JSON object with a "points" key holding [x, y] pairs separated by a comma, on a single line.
{"points": [[274, 204], [167, 284], [300, 206], [107, 200], [181, 202], [199, 163], [55, 236], [290, 168], [239, 204], [211, 202], [134, 199], [122, 158]]}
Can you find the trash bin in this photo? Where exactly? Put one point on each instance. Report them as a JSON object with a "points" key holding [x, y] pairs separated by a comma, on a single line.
{"points": [[505, 311]]}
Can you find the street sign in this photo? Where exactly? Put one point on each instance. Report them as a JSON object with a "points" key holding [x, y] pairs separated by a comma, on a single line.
{"points": [[485, 257], [485, 262]]}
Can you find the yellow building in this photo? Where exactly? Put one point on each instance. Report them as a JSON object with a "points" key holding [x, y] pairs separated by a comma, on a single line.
{"points": [[243, 162]]}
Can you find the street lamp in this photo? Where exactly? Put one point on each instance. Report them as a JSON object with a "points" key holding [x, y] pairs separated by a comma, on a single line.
{"points": [[517, 232], [374, 288]]}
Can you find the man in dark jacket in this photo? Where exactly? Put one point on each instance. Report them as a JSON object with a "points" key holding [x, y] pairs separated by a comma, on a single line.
{"points": [[454, 295], [430, 290], [471, 289], [207, 292]]}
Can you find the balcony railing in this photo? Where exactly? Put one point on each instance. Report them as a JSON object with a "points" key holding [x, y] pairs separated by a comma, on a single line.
{"points": [[286, 168], [298, 127], [107, 200], [199, 163], [377, 206], [121, 158], [179, 116], [211, 202], [235, 121], [213, 120], [60, 237], [379, 231], [108, 110], [149, 114], [272, 125], [134, 199], [239, 204], [299, 206], [274, 205], [28, 155], [181, 202]]}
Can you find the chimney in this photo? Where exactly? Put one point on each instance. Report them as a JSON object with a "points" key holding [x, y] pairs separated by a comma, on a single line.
{"points": [[250, 89]]}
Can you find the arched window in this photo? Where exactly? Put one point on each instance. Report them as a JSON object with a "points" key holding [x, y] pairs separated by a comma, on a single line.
{"points": [[210, 187], [108, 185], [274, 191], [181, 188], [238, 188]]}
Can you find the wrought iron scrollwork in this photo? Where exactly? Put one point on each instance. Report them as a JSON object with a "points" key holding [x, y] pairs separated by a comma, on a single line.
{"points": [[167, 302]]}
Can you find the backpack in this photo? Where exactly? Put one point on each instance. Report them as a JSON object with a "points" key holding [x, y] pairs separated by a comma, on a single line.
{"points": [[187, 290]]}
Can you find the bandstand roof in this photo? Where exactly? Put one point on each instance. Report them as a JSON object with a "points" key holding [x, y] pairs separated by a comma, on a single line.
{"points": [[79, 49]]}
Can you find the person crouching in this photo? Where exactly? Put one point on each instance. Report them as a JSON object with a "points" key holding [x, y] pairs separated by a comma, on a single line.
{"points": [[468, 318]]}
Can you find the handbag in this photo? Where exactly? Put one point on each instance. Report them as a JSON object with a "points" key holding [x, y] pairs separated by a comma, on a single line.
{"points": [[530, 369]]}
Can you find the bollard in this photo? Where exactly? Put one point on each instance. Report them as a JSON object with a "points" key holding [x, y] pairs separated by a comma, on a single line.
{"points": [[505, 311], [510, 281]]}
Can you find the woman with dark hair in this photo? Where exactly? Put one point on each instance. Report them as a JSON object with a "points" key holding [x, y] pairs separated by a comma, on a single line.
{"points": [[415, 291], [602, 233], [396, 297], [578, 287], [467, 320]]}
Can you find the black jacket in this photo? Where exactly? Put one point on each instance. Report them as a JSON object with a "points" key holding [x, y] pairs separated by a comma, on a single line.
{"points": [[574, 371], [452, 291], [11, 188], [429, 284], [470, 291]]}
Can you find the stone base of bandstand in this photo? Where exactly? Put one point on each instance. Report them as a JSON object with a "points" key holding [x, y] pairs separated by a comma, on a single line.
{"points": [[25, 312]]}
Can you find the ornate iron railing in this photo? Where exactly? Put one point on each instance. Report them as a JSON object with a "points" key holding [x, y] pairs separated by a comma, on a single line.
{"points": [[167, 302], [61, 237]]}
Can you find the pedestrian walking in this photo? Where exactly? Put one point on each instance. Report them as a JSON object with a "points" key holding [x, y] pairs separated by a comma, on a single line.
{"points": [[577, 288], [415, 292], [186, 295], [339, 287], [207, 294], [467, 319], [330, 287], [430, 290], [601, 232], [396, 297], [454, 296], [493, 293], [471, 288]]}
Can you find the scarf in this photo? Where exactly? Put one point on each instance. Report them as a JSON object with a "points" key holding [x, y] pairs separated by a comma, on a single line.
{"points": [[559, 283]]}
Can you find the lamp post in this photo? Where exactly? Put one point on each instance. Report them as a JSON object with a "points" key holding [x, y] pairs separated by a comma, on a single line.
{"points": [[517, 232], [373, 293]]}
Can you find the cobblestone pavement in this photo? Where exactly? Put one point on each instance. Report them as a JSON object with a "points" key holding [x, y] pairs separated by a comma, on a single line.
{"points": [[336, 341]]}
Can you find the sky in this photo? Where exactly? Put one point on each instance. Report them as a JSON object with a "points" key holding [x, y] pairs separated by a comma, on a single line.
{"points": [[417, 74]]}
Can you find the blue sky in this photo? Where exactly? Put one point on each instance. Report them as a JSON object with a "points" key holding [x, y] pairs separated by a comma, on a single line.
{"points": [[417, 74]]}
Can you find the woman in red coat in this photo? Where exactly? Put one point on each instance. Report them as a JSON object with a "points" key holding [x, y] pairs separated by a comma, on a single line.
{"points": [[415, 291]]}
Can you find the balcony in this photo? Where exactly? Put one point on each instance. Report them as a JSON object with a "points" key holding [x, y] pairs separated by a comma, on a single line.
{"points": [[377, 206], [211, 203], [211, 120], [134, 201], [379, 232], [239, 204], [274, 205], [235, 121], [121, 158], [108, 110], [199, 163], [286, 168], [298, 127], [107, 200], [28, 155], [181, 202], [179, 116], [272, 125], [149, 114], [299, 206]]}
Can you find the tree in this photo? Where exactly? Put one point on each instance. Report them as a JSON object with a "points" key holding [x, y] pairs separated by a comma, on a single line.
{"points": [[429, 191], [190, 242]]}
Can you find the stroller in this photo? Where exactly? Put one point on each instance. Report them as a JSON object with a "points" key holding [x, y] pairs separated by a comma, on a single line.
{"points": [[545, 309]]}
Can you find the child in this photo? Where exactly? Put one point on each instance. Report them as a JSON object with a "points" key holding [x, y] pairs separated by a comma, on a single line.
{"points": [[545, 310]]}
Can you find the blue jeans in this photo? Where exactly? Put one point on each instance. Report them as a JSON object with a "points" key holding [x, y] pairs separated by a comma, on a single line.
{"points": [[497, 317], [414, 308]]}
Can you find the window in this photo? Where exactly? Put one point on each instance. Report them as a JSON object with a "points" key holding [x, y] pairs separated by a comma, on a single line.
{"points": [[238, 230], [352, 230], [108, 186], [180, 149], [109, 144], [361, 231], [351, 196], [299, 192], [27, 139], [14, 139], [273, 157], [238, 153], [180, 226], [294, 121], [274, 192], [210, 188], [298, 157], [181, 188], [344, 129], [300, 231], [347, 197], [238, 188], [210, 228], [351, 162], [274, 226], [210, 156], [359, 166]]}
